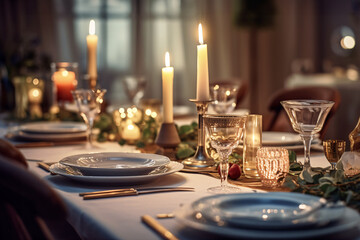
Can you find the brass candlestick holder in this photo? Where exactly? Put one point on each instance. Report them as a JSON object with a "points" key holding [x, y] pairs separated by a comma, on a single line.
{"points": [[201, 160]]}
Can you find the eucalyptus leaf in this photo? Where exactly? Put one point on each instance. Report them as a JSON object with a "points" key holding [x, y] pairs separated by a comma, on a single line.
{"points": [[289, 183], [306, 175], [329, 190], [330, 180], [339, 176]]}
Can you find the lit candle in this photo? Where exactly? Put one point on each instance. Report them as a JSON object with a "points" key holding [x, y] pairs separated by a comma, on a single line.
{"points": [[202, 86], [131, 132], [167, 84], [91, 41], [65, 81]]}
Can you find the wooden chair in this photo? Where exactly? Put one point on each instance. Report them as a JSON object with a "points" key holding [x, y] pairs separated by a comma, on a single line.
{"points": [[278, 120], [243, 88], [30, 208]]}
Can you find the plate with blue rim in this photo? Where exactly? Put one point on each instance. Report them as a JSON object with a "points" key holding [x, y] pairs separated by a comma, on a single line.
{"points": [[240, 216]]}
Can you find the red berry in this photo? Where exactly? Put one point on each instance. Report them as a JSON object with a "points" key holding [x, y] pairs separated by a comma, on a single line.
{"points": [[234, 172]]}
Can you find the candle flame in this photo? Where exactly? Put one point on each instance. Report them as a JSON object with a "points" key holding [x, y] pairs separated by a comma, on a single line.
{"points": [[167, 59], [92, 27], [65, 73], [201, 40], [36, 93]]}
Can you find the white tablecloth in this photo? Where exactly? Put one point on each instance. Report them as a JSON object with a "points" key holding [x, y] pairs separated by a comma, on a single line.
{"points": [[119, 218]]}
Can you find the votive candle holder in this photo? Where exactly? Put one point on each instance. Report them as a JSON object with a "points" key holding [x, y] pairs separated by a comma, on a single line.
{"points": [[272, 164]]}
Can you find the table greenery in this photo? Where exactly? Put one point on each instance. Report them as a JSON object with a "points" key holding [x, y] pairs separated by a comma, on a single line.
{"points": [[333, 185]]}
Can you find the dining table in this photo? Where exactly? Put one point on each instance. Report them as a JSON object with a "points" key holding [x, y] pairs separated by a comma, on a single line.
{"points": [[121, 217]]}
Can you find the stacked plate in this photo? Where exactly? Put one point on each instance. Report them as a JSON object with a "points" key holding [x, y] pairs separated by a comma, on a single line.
{"points": [[269, 216], [115, 167], [51, 131], [291, 141]]}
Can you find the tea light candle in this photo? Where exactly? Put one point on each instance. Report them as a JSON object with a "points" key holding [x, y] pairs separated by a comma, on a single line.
{"points": [[35, 95], [167, 90], [91, 41], [131, 131], [65, 82], [202, 83]]}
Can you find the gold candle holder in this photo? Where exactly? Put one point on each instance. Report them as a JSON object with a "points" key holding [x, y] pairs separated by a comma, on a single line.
{"points": [[252, 142], [272, 164], [201, 160]]}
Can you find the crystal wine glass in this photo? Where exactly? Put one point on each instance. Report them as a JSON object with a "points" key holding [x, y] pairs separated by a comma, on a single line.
{"points": [[89, 106], [333, 150], [307, 118], [135, 88], [224, 132]]}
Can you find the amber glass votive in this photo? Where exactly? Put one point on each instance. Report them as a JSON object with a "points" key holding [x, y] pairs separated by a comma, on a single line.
{"points": [[65, 80], [272, 163]]}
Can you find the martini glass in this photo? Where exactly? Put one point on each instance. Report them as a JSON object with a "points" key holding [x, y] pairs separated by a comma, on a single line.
{"points": [[307, 118], [89, 106], [224, 132]]}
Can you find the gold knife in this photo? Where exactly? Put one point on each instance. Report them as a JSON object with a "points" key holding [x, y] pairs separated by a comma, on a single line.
{"points": [[132, 193], [164, 233], [132, 189]]}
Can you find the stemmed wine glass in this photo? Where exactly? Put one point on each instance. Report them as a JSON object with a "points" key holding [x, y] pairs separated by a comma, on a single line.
{"points": [[224, 132], [135, 88], [225, 96], [89, 106], [307, 118], [333, 150]]}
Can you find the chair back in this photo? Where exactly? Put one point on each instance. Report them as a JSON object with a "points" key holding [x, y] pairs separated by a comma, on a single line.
{"points": [[279, 121], [30, 208]]}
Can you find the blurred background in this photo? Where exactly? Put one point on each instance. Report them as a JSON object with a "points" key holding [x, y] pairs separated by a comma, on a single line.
{"points": [[269, 44]]}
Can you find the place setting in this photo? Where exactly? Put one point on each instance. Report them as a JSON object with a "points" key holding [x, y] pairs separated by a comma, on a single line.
{"points": [[269, 216], [115, 167]]}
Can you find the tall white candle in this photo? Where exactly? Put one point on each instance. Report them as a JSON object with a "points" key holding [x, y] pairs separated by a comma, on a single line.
{"points": [[91, 41], [202, 84], [167, 84]]}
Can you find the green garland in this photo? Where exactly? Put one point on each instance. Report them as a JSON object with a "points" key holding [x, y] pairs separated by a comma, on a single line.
{"points": [[323, 182]]}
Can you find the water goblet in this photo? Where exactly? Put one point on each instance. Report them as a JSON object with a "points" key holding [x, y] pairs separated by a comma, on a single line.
{"points": [[224, 132], [333, 150], [307, 118], [135, 88], [224, 96], [89, 106]]}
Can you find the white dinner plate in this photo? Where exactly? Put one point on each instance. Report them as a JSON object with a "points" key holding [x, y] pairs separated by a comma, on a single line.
{"points": [[266, 210], [280, 138], [53, 127], [115, 163], [70, 173], [63, 137], [343, 228]]}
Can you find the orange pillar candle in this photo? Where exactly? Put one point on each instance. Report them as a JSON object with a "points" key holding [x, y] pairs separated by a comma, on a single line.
{"points": [[65, 82]]}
